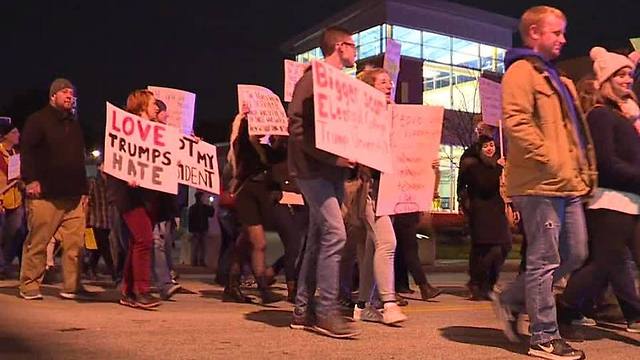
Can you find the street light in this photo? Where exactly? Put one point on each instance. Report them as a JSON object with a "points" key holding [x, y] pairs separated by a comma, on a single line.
{"points": [[96, 154]]}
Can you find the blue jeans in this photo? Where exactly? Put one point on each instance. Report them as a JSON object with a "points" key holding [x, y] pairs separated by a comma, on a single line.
{"points": [[323, 247], [161, 245], [556, 245], [11, 236]]}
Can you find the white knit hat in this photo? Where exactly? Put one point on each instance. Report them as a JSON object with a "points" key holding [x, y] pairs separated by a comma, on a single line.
{"points": [[605, 63]]}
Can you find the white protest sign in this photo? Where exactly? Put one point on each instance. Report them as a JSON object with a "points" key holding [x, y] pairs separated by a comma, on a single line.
{"points": [[140, 151], [14, 167], [198, 165], [392, 63], [351, 118], [635, 42], [181, 107], [417, 130], [266, 113], [293, 71], [491, 101]]}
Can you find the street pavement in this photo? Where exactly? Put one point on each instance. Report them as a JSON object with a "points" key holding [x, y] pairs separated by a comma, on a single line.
{"points": [[198, 325]]}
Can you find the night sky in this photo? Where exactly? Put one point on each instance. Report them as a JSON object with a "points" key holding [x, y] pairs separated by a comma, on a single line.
{"points": [[108, 48]]}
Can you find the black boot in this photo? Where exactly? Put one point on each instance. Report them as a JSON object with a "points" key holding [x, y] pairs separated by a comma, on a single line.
{"points": [[232, 292], [266, 294]]}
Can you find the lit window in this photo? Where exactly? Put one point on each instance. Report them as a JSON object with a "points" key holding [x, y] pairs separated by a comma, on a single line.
{"points": [[410, 39], [369, 42]]}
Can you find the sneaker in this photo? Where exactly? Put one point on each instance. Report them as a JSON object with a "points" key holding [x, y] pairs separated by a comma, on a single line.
{"points": [[392, 314], [634, 327], [174, 276], [335, 327], [233, 293], [81, 294], [146, 301], [583, 321], [169, 292], [306, 321], [346, 304], [369, 313], [128, 300], [557, 349], [31, 295], [506, 317]]}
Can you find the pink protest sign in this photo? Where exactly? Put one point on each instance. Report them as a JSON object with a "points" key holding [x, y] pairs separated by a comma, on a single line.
{"points": [[415, 143], [198, 165], [266, 113], [140, 151], [293, 71], [351, 118], [181, 107], [491, 101]]}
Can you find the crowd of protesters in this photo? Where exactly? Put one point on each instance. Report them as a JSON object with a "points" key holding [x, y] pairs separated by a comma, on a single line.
{"points": [[571, 177]]}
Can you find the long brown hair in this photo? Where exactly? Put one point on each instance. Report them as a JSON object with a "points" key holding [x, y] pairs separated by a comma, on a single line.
{"points": [[138, 101]]}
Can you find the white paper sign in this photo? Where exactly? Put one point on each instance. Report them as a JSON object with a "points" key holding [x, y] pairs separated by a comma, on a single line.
{"points": [[198, 165], [266, 113], [14, 167], [491, 101], [417, 130], [351, 118], [181, 107], [635, 42], [392, 63], [293, 71], [140, 151]]}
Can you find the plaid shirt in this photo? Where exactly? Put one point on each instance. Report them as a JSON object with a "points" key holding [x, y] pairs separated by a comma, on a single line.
{"points": [[99, 215]]}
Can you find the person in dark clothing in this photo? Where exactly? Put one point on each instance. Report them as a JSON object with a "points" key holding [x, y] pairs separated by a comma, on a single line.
{"points": [[53, 168], [481, 201], [99, 220], [613, 214], [199, 214]]}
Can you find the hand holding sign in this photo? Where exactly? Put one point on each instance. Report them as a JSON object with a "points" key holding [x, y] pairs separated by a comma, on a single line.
{"points": [[266, 114]]}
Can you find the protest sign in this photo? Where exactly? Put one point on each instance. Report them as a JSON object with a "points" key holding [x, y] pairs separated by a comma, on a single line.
{"points": [[491, 101], [351, 118], [391, 63], [140, 151], [635, 42], [181, 107], [415, 143], [14, 167], [266, 113], [293, 71], [198, 165]]}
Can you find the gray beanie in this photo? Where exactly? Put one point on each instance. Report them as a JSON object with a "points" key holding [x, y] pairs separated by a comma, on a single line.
{"points": [[59, 84]]}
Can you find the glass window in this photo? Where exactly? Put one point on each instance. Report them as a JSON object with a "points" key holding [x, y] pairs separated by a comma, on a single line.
{"points": [[368, 50], [410, 39], [369, 42], [465, 96], [437, 84], [465, 46]]}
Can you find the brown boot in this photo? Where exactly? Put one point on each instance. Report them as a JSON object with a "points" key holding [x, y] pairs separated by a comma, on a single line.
{"points": [[428, 292]]}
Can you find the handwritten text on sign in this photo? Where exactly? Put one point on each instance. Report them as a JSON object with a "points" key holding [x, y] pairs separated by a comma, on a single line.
{"points": [[416, 137], [351, 118], [198, 165], [266, 113], [140, 151], [180, 107], [293, 71], [491, 101], [14, 167]]}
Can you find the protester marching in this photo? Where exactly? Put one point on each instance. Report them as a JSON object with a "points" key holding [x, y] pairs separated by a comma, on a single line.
{"points": [[343, 172]]}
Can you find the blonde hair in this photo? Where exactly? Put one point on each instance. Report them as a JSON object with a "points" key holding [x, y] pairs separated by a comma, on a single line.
{"points": [[591, 95], [369, 75], [534, 16], [138, 101]]}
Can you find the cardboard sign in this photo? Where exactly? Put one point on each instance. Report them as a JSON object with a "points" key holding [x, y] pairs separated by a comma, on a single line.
{"points": [[198, 165], [266, 113], [140, 151], [181, 107], [491, 101], [392, 63], [14, 167], [293, 71], [291, 198], [635, 42], [416, 137], [351, 118]]}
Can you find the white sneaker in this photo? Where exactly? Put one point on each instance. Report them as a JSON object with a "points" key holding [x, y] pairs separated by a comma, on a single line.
{"points": [[392, 314], [584, 321], [357, 313]]}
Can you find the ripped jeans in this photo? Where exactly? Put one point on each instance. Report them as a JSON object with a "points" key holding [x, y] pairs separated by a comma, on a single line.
{"points": [[556, 246]]}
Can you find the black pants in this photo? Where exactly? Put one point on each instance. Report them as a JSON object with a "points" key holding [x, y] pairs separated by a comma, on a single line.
{"points": [[405, 227], [291, 223], [104, 250], [613, 239], [485, 264]]}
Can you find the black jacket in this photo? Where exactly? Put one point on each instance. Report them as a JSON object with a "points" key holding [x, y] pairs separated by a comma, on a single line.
{"points": [[52, 152], [617, 146], [305, 160], [199, 215]]}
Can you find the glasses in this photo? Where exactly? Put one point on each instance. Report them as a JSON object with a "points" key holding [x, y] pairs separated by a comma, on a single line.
{"points": [[351, 45]]}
